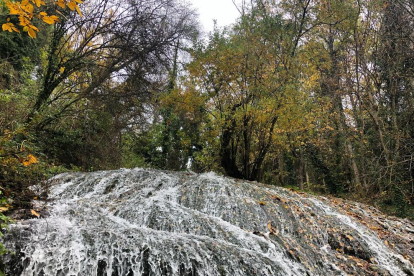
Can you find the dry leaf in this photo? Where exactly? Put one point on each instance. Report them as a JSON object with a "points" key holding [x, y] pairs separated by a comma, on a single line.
{"points": [[34, 213]]}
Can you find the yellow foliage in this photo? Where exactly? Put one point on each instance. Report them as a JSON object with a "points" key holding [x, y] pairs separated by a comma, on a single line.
{"points": [[13, 8], [61, 3], [50, 19], [30, 159], [39, 3], [31, 30], [71, 5], [25, 10], [9, 27]]}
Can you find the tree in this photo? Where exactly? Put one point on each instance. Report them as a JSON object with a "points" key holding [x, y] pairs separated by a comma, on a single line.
{"points": [[111, 39], [247, 74]]}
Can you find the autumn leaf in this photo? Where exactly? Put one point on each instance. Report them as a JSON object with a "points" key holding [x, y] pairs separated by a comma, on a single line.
{"points": [[28, 8], [78, 11], [6, 27], [9, 27], [23, 21], [30, 159], [34, 213], [61, 4], [31, 30], [50, 19], [39, 3], [71, 5], [25, 10], [272, 230], [13, 8], [31, 33]]}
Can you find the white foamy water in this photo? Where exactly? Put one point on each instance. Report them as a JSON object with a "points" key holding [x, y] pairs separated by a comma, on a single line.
{"points": [[148, 222]]}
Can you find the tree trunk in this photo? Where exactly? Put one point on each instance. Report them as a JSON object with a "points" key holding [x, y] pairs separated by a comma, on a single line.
{"points": [[300, 171], [228, 153]]}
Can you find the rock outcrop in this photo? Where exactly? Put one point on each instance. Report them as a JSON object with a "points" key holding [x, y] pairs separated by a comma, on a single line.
{"points": [[148, 222]]}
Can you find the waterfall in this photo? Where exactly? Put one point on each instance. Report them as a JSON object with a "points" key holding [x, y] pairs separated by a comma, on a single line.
{"points": [[148, 222]]}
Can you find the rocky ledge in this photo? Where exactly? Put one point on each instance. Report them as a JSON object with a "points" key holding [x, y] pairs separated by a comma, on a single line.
{"points": [[149, 222]]}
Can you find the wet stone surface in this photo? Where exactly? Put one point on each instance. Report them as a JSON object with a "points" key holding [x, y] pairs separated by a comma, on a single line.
{"points": [[148, 222]]}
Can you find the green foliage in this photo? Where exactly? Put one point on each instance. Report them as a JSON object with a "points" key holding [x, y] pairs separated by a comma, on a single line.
{"points": [[92, 143], [134, 149], [15, 47], [22, 164], [4, 221]]}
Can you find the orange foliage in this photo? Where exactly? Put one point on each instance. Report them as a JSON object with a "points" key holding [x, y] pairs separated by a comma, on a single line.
{"points": [[25, 10], [30, 159]]}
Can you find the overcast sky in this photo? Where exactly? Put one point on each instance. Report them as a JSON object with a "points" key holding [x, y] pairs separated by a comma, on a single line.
{"points": [[222, 10]]}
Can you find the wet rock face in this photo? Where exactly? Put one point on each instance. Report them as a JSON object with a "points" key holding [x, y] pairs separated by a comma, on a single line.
{"points": [[147, 222]]}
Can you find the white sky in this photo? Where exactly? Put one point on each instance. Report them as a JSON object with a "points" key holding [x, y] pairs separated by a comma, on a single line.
{"points": [[222, 10]]}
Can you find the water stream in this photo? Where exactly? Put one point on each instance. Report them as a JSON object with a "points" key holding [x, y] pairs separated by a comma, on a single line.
{"points": [[148, 222]]}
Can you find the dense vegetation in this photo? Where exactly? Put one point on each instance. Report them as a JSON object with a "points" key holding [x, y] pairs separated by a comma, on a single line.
{"points": [[313, 95]]}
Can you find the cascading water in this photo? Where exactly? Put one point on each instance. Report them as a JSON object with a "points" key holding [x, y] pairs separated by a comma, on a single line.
{"points": [[148, 222]]}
